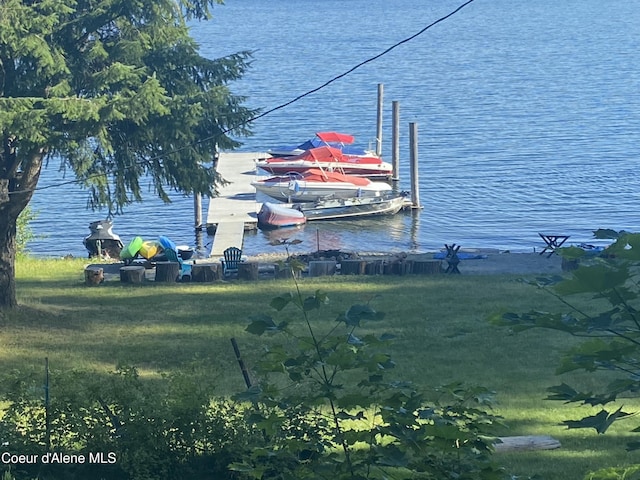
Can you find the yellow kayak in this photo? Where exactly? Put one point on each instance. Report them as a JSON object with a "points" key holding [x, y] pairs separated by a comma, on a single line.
{"points": [[149, 249]]}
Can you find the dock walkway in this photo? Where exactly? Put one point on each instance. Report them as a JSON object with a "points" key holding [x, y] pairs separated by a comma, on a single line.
{"points": [[234, 209]]}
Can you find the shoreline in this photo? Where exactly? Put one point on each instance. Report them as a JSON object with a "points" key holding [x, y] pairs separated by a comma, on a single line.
{"points": [[486, 263], [476, 262]]}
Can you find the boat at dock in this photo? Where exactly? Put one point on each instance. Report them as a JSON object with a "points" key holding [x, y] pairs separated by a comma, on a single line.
{"points": [[278, 215], [315, 184], [331, 209], [335, 208], [329, 159]]}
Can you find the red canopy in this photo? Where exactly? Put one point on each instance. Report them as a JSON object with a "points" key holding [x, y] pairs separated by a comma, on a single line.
{"points": [[321, 154], [335, 137]]}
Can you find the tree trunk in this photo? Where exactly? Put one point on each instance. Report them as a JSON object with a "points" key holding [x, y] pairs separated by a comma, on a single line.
{"points": [[21, 180], [7, 261]]}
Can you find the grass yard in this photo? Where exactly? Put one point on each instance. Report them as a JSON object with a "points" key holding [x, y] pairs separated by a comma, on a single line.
{"points": [[440, 324]]}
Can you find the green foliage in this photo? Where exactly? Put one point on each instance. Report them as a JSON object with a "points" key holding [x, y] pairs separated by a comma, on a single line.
{"points": [[24, 233], [617, 473], [326, 407], [610, 326], [145, 430]]}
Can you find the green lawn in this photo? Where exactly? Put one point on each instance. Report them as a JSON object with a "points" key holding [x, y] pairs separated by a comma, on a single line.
{"points": [[440, 324]]}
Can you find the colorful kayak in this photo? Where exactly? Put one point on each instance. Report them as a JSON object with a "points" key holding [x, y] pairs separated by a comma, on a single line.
{"points": [[171, 252], [131, 250], [167, 244], [149, 249]]}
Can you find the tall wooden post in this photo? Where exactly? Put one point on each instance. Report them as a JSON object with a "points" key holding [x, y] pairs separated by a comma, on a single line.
{"points": [[197, 210], [379, 122], [415, 188], [395, 139]]}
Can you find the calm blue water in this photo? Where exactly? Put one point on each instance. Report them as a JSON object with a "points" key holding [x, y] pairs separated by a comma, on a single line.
{"points": [[528, 117]]}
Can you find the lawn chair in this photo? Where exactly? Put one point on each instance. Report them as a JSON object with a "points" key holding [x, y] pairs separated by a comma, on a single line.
{"points": [[231, 260]]}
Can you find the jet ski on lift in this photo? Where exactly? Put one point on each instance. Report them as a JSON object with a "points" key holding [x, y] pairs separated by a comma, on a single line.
{"points": [[102, 242]]}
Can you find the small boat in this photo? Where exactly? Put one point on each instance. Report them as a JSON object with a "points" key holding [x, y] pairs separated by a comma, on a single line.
{"points": [[284, 215], [329, 159], [314, 184], [336, 208], [341, 141], [276, 215]]}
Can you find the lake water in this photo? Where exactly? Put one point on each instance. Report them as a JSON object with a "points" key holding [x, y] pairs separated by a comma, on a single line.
{"points": [[528, 117]]}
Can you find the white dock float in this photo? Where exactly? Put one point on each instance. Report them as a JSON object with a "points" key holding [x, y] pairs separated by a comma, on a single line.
{"points": [[235, 208]]}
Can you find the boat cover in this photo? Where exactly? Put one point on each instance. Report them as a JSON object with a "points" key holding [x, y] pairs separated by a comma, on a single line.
{"points": [[335, 137], [321, 154], [320, 176], [275, 215]]}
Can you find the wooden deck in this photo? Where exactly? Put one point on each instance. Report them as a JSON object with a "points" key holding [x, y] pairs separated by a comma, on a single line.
{"points": [[235, 208]]}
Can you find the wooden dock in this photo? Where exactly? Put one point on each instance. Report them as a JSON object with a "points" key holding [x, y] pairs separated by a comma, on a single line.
{"points": [[235, 208]]}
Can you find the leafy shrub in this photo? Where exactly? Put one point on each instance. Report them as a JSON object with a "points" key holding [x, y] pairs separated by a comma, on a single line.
{"points": [[142, 429], [326, 409]]}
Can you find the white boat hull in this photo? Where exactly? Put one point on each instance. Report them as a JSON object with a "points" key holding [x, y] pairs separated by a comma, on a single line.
{"points": [[352, 207], [296, 190]]}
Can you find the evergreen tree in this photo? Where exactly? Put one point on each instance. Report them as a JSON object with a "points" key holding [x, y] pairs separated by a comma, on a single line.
{"points": [[113, 90]]}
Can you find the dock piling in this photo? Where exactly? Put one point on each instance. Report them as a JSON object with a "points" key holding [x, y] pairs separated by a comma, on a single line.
{"points": [[379, 121], [395, 139], [197, 210], [415, 187]]}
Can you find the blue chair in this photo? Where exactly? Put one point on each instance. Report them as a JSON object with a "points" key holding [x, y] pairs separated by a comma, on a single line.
{"points": [[232, 258]]}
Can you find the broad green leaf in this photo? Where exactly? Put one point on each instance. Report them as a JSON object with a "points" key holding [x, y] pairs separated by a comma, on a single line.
{"points": [[314, 302], [359, 313], [596, 354], [567, 394], [280, 302], [606, 234], [599, 422], [260, 324], [593, 279], [616, 387]]}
